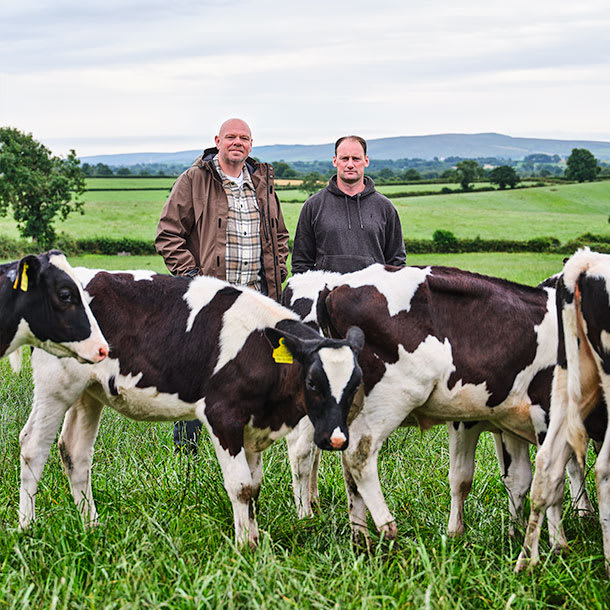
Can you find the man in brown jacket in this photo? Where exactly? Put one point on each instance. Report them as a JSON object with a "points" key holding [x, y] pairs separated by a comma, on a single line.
{"points": [[223, 218]]}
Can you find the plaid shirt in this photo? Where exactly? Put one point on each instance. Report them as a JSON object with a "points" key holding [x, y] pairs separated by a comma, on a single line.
{"points": [[243, 251]]}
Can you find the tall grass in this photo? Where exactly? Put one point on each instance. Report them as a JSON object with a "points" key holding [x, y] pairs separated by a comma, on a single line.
{"points": [[166, 534]]}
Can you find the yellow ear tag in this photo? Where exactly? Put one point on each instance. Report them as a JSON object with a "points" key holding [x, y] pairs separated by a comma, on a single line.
{"points": [[23, 281], [281, 354]]}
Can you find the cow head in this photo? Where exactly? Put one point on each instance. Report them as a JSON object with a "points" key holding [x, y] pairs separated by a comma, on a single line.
{"points": [[330, 376], [51, 302]]}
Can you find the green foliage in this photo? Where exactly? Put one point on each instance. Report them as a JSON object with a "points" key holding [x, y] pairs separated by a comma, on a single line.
{"points": [[582, 165], [412, 174], [467, 171], [37, 185], [283, 170], [444, 241], [312, 182], [503, 176]]}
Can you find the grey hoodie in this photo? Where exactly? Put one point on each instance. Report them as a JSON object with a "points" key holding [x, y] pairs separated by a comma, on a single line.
{"points": [[339, 232]]}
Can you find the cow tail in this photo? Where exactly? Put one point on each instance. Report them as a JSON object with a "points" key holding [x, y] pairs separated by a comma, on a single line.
{"points": [[576, 432]]}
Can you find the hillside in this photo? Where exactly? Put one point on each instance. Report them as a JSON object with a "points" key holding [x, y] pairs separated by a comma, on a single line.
{"points": [[470, 146]]}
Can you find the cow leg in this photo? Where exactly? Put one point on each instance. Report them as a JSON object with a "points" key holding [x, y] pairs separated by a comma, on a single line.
{"points": [[304, 459], [75, 444], [360, 459], [238, 482], [55, 390], [255, 462], [516, 471], [462, 448], [547, 487], [602, 479], [356, 508], [578, 490]]}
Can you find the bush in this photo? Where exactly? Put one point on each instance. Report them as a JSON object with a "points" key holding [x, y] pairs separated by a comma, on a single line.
{"points": [[445, 241]]}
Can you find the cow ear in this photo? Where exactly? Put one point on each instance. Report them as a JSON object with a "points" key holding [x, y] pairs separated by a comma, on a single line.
{"points": [[28, 273], [355, 338], [296, 346]]}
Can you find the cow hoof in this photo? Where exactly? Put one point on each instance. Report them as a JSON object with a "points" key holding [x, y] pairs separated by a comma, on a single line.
{"points": [[389, 531], [458, 532], [525, 563]]}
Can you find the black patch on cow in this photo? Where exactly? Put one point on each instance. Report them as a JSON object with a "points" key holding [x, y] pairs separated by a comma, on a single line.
{"points": [[112, 386], [560, 298], [467, 424], [488, 321], [508, 460], [66, 458], [302, 307], [145, 325], [539, 390], [287, 296], [594, 301], [597, 421], [392, 268]]}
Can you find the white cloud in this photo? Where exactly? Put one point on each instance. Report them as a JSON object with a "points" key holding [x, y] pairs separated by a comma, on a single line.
{"points": [[122, 74]]}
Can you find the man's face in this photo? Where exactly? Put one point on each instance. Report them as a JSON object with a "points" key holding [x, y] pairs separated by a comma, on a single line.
{"points": [[350, 162], [234, 142]]}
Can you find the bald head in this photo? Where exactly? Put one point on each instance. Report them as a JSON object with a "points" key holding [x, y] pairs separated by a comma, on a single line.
{"points": [[234, 143], [233, 124]]}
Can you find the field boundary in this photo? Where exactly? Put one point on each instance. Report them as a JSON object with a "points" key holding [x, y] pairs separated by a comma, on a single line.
{"points": [[444, 242]]}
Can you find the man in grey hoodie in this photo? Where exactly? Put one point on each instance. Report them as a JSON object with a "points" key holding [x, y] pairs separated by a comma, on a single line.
{"points": [[348, 225]]}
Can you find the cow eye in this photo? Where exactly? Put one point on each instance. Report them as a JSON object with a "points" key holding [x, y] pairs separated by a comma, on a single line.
{"points": [[65, 296]]}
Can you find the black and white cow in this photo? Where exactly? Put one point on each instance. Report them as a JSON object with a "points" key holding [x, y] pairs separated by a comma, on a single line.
{"points": [[582, 376], [42, 304], [432, 350], [181, 349]]}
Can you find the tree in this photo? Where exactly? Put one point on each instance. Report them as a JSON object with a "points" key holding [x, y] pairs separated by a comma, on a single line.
{"points": [[412, 174], [101, 169], [504, 176], [467, 171], [311, 183], [582, 165], [386, 173], [37, 185], [283, 170]]}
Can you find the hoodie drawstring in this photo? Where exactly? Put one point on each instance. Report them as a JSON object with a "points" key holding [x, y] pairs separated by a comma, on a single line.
{"points": [[349, 220], [359, 211]]}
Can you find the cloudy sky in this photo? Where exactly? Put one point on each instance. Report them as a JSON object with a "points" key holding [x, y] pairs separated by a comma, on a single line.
{"points": [[140, 76]]}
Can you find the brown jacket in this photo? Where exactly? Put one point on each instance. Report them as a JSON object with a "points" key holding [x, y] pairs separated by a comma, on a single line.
{"points": [[192, 230]]}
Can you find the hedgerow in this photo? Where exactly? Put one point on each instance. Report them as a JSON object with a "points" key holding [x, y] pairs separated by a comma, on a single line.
{"points": [[442, 242]]}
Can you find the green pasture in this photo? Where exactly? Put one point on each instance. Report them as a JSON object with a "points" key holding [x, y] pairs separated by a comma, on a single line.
{"points": [[561, 211], [166, 534], [130, 183]]}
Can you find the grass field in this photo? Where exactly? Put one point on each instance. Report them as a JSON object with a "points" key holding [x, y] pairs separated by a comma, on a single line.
{"points": [[561, 211], [166, 534]]}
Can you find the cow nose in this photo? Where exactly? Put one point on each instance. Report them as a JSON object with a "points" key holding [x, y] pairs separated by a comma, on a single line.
{"points": [[337, 439], [101, 354]]}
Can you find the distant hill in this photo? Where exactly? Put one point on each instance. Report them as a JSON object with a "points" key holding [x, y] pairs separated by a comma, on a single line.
{"points": [[469, 146]]}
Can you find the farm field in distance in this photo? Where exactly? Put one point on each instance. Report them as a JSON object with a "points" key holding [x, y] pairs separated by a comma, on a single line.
{"points": [[562, 211], [166, 533]]}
